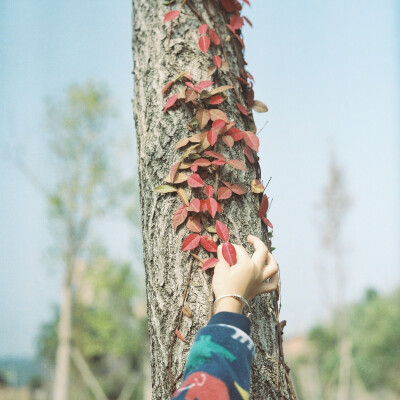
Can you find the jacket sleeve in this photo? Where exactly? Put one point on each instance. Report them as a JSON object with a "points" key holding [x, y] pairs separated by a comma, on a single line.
{"points": [[219, 363]]}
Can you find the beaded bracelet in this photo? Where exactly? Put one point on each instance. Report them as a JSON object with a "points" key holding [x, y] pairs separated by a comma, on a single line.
{"points": [[237, 296]]}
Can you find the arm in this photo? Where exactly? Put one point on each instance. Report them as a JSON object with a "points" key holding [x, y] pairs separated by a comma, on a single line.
{"points": [[219, 361]]}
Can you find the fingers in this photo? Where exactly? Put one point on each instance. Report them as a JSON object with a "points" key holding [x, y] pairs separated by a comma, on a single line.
{"points": [[241, 253], [261, 251], [270, 269], [222, 264], [270, 286]]}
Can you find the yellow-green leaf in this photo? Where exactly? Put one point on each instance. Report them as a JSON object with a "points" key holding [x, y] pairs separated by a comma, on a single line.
{"points": [[164, 189]]}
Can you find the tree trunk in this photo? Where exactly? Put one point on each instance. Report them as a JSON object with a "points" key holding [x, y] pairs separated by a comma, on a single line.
{"points": [[166, 266]]}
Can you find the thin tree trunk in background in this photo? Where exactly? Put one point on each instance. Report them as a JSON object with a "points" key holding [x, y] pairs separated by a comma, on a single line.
{"points": [[165, 264]]}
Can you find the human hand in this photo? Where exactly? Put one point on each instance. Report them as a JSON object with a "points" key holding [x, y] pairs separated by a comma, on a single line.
{"points": [[246, 278]]}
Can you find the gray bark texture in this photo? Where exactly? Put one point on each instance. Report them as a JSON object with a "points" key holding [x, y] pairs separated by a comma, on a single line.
{"points": [[155, 49]]}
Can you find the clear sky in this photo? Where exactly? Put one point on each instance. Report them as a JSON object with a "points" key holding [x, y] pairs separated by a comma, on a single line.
{"points": [[328, 71]]}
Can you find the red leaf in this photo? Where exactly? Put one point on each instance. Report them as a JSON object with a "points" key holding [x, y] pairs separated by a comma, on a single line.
{"points": [[191, 242], [212, 206], [201, 162], [209, 190], [177, 333], [231, 28], [171, 101], [238, 189], [194, 181], [217, 61], [179, 216], [218, 124], [195, 205], [228, 140], [242, 109], [204, 84], [217, 99], [248, 21], [251, 140], [224, 193], [191, 95], [212, 136], [214, 37], [174, 169], [236, 21], [170, 15], [236, 164], [222, 231], [218, 161], [204, 44], [227, 184], [228, 5], [249, 154], [214, 154], [203, 205], [189, 84], [203, 29], [194, 224], [267, 222], [167, 86], [247, 2], [208, 244], [240, 40], [263, 207], [211, 262], [229, 253], [219, 208], [236, 134]]}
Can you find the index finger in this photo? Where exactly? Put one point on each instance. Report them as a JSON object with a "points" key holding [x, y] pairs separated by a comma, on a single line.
{"points": [[261, 250]]}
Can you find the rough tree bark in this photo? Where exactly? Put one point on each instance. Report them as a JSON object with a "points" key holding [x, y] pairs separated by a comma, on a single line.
{"points": [[167, 267]]}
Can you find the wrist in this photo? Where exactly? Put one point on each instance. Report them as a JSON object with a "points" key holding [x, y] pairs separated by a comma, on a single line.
{"points": [[230, 304]]}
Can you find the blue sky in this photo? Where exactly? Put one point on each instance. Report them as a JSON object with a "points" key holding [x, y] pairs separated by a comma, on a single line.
{"points": [[328, 72]]}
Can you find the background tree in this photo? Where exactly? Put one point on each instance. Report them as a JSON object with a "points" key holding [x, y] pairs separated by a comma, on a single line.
{"points": [[161, 51]]}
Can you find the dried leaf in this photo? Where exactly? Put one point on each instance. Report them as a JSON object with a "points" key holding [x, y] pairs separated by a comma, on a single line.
{"points": [[211, 262], [238, 189], [194, 181], [170, 102], [164, 189], [214, 154], [183, 196], [179, 178], [204, 44], [194, 224], [222, 231], [217, 61], [208, 244], [203, 29], [174, 169], [170, 15], [249, 154], [262, 211], [189, 150], [242, 108], [203, 116], [191, 242], [217, 99], [228, 140], [224, 193], [177, 333], [224, 66], [237, 164], [229, 253], [191, 95], [179, 216], [212, 136], [257, 186], [211, 70], [259, 106], [181, 143], [212, 206], [187, 311], [220, 89], [218, 114], [251, 140]]}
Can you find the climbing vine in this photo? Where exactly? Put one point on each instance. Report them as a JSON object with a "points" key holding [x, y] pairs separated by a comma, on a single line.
{"points": [[203, 164]]}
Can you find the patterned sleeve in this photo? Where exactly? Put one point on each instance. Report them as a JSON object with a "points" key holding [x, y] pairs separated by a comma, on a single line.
{"points": [[219, 362]]}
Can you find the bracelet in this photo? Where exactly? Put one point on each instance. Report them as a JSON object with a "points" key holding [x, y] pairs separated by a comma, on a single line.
{"points": [[237, 296]]}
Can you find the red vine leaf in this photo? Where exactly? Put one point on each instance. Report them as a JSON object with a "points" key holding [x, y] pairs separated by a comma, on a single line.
{"points": [[248, 21], [194, 224], [181, 143], [249, 154], [218, 124], [257, 186], [222, 231], [214, 37], [236, 21], [211, 262], [240, 40], [167, 86], [204, 44], [209, 190], [251, 140], [218, 114], [171, 101], [217, 61], [229, 253], [224, 193], [203, 85], [228, 5], [179, 216], [194, 181], [191, 242], [170, 15], [212, 206], [236, 164], [228, 140], [189, 84], [236, 134], [262, 211], [267, 222], [212, 136], [242, 109], [191, 95], [217, 99], [203, 116], [247, 2], [238, 189], [231, 28], [200, 162], [227, 184], [219, 161], [203, 29], [208, 244], [195, 205], [177, 333], [215, 154]]}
